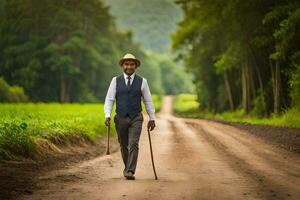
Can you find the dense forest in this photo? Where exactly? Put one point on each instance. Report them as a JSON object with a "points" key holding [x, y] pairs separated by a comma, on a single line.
{"points": [[59, 50], [244, 54], [67, 51]]}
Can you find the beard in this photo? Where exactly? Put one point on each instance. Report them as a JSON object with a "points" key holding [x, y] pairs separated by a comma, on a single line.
{"points": [[129, 71]]}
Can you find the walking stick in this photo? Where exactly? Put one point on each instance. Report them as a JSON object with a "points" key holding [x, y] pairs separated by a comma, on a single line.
{"points": [[152, 155], [107, 148]]}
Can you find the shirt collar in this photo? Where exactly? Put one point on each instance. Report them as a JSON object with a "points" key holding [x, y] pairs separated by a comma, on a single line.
{"points": [[125, 76]]}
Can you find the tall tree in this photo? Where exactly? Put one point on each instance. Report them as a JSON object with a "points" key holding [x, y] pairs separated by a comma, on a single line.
{"points": [[241, 44], [61, 50]]}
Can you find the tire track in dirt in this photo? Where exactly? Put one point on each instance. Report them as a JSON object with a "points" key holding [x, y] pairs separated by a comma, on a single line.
{"points": [[209, 171], [272, 183], [283, 160]]}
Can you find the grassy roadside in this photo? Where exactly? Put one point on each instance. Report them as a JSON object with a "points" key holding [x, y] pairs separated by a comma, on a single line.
{"points": [[24, 127], [185, 105]]}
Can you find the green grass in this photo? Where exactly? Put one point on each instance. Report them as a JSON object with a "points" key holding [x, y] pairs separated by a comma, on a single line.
{"points": [[23, 124], [185, 105], [291, 118]]}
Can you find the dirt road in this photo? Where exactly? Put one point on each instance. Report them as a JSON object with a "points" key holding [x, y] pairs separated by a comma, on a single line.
{"points": [[195, 159]]}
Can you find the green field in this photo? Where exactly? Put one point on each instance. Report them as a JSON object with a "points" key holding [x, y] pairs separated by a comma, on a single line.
{"points": [[23, 125], [186, 105]]}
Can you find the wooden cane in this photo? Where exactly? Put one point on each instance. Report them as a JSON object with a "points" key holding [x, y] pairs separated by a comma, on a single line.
{"points": [[152, 155], [107, 130]]}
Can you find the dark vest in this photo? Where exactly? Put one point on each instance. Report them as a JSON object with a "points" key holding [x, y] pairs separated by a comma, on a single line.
{"points": [[129, 101]]}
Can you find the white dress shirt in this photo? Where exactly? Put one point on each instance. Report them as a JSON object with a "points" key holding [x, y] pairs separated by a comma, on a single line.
{"points": [[146, 96]]}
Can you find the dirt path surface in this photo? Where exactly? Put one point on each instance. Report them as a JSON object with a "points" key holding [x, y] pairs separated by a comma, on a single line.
{"points": [[195, 159]]}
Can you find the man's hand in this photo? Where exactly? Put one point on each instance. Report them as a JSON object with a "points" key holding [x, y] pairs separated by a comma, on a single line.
{"points": [[151, 125], [107, 121]]}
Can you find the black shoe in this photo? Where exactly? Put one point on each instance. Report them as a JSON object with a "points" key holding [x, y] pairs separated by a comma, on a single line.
{"points": [[130, 176]]}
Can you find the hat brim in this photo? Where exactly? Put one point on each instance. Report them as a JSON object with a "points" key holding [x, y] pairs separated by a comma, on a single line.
{"points": [[137, 62]]}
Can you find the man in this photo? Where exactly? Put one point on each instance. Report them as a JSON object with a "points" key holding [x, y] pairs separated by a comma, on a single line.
{"points": [[129, 89]]}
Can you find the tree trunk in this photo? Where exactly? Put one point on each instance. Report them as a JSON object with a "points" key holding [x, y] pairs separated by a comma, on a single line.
{"points": [[277, 94], [261, 87], [251, 81], [273, 81], [62, 89], [260, 82], [228, 89], [245, 87], [69, 90]]}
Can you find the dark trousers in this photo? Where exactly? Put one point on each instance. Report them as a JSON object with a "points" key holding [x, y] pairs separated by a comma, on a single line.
{"points": [[129, 131]]}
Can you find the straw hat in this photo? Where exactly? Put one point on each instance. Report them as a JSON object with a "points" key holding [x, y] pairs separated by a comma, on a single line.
{"points": [[129, 56]]}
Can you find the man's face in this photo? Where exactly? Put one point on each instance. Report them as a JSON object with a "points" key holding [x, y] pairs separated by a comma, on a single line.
{"points": [[129, 67]]}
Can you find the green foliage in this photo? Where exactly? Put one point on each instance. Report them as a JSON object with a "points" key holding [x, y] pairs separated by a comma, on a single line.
{"points": [[228, 60], [235, 49], [11, 93], [157, 101], [290, 118], [174, 79], [295, 85], [151, 72], [68, 50], [187, 106], [259, 106], [17, 94], [4, 90], [15, 140], [62, 50], [286, 18]]}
